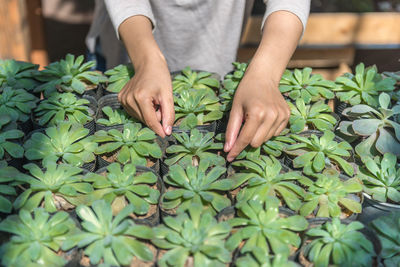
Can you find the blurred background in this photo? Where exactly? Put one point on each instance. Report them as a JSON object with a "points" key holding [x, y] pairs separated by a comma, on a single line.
{"points": [[340, 33]]}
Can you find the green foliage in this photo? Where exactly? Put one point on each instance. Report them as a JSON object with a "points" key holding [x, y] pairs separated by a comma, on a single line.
{"points": [[7, 135], [317, 116], [264, 230], [196, 184], [328, 196], [379, 125], [18, 74], [189, 79], [193, 234], [121, 186], [339, 244], [118, 77], [134, 144], [35, 239], [115, 117], [196, 107], [230, 84], [59, 186], [310, 88], [69, 75], [363, 87], [263, 260], [191, 149], [60, 107], [388, 229], [381, 178], [264, 179], [16, 103], [112, 240], [65, 142], [313, 153]]}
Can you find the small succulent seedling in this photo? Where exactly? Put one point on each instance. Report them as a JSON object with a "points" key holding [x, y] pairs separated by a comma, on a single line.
{"points": [[334, 243], [7, 135], [66, 143], [230, 84], [118, 77], [36, 239], [18, 74], [196, 185], [302, 84], [107, 239], [61, 107], [69, 75], [193, 234], [328, 196], [363, 87], [134, 144], [313, 153], [58, 186], [316, 116], [16, 103], [191, 149], [114, 117], [121, 186], [263, 230], [197, 80], [264, 260], [377, 125]]}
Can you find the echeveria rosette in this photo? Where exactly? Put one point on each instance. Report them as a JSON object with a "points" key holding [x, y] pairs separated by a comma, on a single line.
{"points": [[363, 87], [264, 260], [302, 84], [115, 117], [381, 178], [196, 234], [378, 127], [229, 85], [123, 185], [69, 75], [314, 116], [329, 196], [18, 74], [196, 184], [61, 107], [134, 144], [261, 228], [66, 143], [314, 153], [16, 103], [109, 240], [189, 79], [36, 238], [54, 187], [118, 77], [338, 244], [264, 179], [8, 136], [194, 147]]}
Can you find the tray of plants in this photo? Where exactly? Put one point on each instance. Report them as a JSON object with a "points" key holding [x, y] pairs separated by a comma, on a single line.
{"points": [[82, 183]]}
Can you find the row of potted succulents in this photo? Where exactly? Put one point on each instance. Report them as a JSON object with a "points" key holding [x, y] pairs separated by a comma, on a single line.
{"points": [[100, 188]]}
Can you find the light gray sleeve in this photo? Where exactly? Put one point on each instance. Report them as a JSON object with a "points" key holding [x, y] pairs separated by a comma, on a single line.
{"points": [[120, 10], [301, 8]]}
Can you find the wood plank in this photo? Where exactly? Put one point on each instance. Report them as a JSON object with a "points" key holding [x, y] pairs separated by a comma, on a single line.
{"points": [[38, 53]]}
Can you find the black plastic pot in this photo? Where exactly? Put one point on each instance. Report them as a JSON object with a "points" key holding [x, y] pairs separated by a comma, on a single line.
{"points": [[373, 209], [110, 100], [96, 92], [340, 107], [202, 128], [26, 126]]}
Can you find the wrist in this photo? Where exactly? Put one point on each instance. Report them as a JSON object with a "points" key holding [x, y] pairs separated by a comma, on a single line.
{"points": [[264, 73]]}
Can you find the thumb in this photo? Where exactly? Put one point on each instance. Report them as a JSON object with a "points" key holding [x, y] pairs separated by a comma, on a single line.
{"points": [[233, 128], [167, 112]]}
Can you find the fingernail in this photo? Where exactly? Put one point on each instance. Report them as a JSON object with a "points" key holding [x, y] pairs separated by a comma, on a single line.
{"points": [[229, 159], [168, 130]]}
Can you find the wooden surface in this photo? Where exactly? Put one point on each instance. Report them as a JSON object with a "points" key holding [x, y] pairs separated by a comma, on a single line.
{"points": [[379, 28], [38, 53]]}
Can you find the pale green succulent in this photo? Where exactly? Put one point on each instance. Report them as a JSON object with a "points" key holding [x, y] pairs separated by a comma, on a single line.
{"points": [[18, 74], [16, 103], [118, 77], [189, 79]]}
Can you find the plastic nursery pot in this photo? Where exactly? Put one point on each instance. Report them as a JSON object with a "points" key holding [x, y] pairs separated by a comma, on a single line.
{"points": [[340, 107], [373, 209], [222, 123], [110, 100], [96, 92], [26, 126]]}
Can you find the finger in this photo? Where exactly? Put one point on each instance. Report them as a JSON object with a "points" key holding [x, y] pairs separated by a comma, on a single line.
{"points": [[167, 112], [284, 122], [245, 137], [131, 107], [148, 111], [233, 127], [261, 134]]}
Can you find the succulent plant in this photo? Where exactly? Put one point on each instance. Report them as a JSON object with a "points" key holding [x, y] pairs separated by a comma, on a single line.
{"points": [[107, 239], [66, 143], [189, 79], [16, 103], [335, 243], [230, 83], [329, 196], [114, 117], [69, 75], [264, 230], [134, 144], [196, 107], [7, 135], [363, 87], [58, 187], [378, 126], [18, 74], [118, 77], [193, 234], [313, 153], [60, 107], [263, 260], [381, 178], [302, 84], [196, 184], [316, 116], [121, 186], [191, 149], [36, 239]]}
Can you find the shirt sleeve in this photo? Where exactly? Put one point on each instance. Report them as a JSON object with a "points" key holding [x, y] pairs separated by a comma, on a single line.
{"points": [[120, 10], [301, 8]]}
